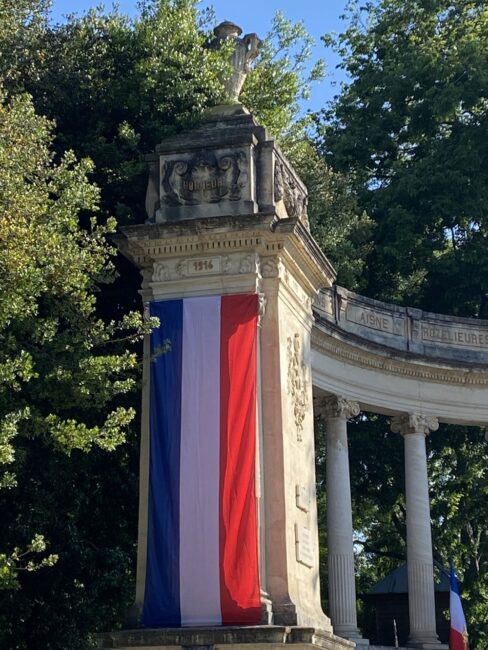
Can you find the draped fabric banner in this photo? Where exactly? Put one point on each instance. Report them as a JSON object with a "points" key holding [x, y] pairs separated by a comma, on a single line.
{"points": [[458, 634], [202, 554]]}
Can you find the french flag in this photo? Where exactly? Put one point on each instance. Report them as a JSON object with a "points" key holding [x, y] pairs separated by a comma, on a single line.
{"points": [[202, 553], [458, 633]]}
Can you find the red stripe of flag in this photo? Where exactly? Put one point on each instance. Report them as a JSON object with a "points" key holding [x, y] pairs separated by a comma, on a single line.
{"points": [[239, 564], [456, 640]]}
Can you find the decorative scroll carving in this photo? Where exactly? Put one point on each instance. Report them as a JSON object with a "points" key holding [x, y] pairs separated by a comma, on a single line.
{"points": [[287, 189], [414, 423], [297, 382], [204, 178], [337, 407]]}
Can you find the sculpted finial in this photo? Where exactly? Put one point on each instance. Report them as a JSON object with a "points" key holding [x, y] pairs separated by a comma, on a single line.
{"points": [[245, 49]]}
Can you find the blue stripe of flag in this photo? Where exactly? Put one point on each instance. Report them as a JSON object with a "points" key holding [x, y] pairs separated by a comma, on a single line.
{"points": [[162, 589]]}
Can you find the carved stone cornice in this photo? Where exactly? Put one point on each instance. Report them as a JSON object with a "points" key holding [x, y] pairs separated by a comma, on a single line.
{"points": [[336, 407], [355, 353], [414, 423]]}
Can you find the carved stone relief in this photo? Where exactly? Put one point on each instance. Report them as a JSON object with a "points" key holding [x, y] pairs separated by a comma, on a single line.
{"points": [[336, 406], [297, 382], [270, 267], [161, 273], [248, 264], [414, 423], [204, 178], [286, 189]]}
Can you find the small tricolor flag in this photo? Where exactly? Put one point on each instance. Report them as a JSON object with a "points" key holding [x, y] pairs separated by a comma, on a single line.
{"points": [[458, 634], [202, 553]]}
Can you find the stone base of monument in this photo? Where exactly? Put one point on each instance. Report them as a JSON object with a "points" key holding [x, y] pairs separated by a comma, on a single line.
{"points": [[262, 637]]}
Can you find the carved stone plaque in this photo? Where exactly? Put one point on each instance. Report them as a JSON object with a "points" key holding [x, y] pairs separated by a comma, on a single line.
{"points": [[304, 546], [451, 335], [203, 266], [204, 177], [375, 320]]}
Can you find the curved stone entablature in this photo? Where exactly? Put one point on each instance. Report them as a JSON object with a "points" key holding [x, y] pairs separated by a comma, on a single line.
{"points": [[409, 330], [397, 360]]}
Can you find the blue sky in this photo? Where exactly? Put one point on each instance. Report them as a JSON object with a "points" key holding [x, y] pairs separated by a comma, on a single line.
{"points": [[319, 16]]}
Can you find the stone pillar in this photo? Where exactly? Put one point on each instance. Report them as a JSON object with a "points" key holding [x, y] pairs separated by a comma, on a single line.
{"points": [[342, 589], [421, 598]]}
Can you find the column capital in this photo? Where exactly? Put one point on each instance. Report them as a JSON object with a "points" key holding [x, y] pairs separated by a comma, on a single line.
{"points": [[336, 407], [414, 423]]}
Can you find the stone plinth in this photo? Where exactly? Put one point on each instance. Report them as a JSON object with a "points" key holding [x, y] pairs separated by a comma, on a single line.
{"points": [[225, 638], [277, 259], [228, 166]]}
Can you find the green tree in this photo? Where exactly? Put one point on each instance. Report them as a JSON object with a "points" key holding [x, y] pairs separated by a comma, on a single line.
{"points": [[63, 385], [410, 126]]}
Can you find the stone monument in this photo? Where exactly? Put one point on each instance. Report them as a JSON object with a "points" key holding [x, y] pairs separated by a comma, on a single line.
{"points": [[227, 218], [227, 215]]}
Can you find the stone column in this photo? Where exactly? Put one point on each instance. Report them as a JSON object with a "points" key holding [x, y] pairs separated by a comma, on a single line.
{"points": [[342, 588], [421, 600]]}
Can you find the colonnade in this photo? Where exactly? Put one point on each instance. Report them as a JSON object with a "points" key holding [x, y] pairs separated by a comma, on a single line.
{"points": [[414, 427]]}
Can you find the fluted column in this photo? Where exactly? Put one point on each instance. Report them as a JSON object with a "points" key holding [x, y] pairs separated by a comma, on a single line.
{"points": [[342, 588], [421, 598]]}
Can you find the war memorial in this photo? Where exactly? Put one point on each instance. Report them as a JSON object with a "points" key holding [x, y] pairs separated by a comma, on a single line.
{"points": [[262, 342]]}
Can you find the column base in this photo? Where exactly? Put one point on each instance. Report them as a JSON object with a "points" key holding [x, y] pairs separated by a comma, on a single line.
{"points": [[352, 634], [361, 643], [427, 644], [261, 637]]}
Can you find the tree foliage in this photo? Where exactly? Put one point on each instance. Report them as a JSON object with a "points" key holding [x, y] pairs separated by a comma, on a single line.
{"points": [[411, 127]]}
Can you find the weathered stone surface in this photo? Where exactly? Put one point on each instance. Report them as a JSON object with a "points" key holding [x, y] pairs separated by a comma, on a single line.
{"points": [[227, 166], [244, 50], [225, 638], [405, 329]]}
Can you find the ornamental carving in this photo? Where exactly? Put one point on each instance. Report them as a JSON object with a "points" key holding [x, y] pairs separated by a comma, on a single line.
{"points": [[248, 264], [287, 189], [244, 50], [414, 423], [337, 407], [297, 382], [204, 178], [270, 267], [161, 272]]}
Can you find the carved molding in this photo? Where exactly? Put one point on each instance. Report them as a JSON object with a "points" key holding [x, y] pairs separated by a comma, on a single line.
{"points": [[297, 381], [324, 342], [414, 423], [336, 407]]}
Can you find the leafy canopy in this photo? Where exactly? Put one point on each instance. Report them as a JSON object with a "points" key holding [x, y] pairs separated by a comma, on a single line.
{"points": [[411, 127]]}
